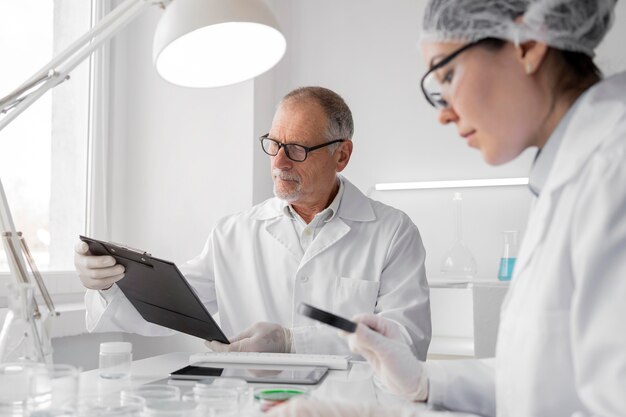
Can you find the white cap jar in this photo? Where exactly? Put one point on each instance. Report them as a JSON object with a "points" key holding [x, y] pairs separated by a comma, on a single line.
{"points": [[115, 359]]}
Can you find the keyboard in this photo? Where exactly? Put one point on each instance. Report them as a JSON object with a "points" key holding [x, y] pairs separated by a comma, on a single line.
{"points": [[267, 358]]}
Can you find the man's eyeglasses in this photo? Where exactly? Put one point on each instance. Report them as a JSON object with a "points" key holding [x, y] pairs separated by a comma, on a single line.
{"points": [[295, 152], [432, 87]]}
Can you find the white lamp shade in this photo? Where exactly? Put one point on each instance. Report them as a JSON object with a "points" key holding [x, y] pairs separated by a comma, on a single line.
{"points": [[211, 43]]}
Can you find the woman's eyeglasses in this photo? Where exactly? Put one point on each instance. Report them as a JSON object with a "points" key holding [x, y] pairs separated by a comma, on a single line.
{"points": [[432, 87]]}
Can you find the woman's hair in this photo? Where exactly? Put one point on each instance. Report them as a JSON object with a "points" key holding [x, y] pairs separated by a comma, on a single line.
{"points": [[574, 71]]}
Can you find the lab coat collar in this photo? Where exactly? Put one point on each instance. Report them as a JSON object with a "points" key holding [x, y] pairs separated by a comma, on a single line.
{"points": [[354, 206], [594, 116], [545, 156], [328, 213], [593, 119]]}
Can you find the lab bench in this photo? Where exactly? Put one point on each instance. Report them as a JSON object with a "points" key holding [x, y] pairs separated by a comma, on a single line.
{"points": [[357, 383]]}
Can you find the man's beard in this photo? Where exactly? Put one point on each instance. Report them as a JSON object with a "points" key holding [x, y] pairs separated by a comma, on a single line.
{"points": [[294, 193]]}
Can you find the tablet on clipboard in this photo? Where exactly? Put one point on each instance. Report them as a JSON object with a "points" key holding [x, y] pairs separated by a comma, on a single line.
{"points": [[159, 292]]}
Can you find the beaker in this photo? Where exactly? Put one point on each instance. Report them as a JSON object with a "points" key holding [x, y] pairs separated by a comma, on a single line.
{"points": [[458, 261], [16, 388], [55, 388], [509, 255]]}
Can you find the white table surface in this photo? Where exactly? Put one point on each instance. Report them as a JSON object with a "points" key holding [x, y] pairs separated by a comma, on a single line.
{"points": [[354, 384]]}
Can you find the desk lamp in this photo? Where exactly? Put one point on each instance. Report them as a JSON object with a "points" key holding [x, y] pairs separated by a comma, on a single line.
{"points": [[197, 43]]}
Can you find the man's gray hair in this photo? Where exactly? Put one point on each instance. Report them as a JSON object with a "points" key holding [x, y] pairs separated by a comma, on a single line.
{"points": [[339, 117]]}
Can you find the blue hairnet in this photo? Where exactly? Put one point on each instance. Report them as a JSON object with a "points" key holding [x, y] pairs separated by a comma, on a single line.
{"points": [[570, 25]]}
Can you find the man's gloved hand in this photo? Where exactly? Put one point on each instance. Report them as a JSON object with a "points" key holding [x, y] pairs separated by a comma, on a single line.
{"points": [[315, 408], [96, 272], [380, 342], [261, 337]]}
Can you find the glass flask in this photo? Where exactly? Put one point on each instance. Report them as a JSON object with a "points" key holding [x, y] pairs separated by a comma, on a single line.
{"points": [[458, 261], [20, 340], [509, 255]]}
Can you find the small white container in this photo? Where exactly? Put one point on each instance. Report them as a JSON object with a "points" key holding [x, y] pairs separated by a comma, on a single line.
{"points": [[115, 359]]}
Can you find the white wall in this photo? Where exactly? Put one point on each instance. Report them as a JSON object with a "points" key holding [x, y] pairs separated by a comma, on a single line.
{"points": [[181, 158]]}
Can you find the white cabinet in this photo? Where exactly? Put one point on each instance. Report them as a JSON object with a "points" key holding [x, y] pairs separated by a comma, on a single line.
{"points": [[465, 318]]}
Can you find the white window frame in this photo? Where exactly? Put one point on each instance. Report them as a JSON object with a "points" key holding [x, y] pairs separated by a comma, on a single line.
{"points": [[64, 286]]}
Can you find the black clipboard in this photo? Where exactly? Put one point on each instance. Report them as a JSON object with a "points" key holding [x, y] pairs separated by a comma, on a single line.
{"points": [[159, 292]]}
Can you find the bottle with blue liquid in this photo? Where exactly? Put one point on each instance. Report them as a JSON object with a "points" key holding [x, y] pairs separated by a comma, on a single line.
{"points": [[509, 255]]}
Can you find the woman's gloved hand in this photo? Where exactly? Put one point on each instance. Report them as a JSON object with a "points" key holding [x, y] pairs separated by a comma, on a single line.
{"points": [[315, 408], [260, 337], [96, 272], [380, 342]]}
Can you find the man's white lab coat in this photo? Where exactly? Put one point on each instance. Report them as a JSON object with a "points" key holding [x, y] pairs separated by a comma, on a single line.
{"points": [[562, 341], [368, 259]]}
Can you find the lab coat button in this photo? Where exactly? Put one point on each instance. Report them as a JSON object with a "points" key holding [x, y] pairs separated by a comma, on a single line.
{"points": [[304, 279], [308, 232]]}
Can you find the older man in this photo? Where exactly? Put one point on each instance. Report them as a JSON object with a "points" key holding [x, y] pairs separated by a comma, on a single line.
{"points": [[320, 241]]}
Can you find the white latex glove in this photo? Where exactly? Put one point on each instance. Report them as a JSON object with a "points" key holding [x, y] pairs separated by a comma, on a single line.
{"points": [[260, 337], [300, 407], [380, 342], [96, 272]]}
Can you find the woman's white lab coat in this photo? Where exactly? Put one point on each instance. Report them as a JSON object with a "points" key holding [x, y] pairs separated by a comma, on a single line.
{"points": [[562, 340], [368, 259]]}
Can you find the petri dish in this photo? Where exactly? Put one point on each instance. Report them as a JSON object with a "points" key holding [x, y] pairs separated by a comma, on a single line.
{"points": [[243, 390], [215, 399], [227, 383], [152, 392], [170, 408], [271, 397], [110, 406]]}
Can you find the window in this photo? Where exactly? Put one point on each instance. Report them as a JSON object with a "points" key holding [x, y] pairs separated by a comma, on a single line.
{"points": [[44, 151]]}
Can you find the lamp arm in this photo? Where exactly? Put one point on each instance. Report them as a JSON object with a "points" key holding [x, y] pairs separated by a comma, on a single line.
{"points": [[47, 71], [11, 100], [58, 69]]}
